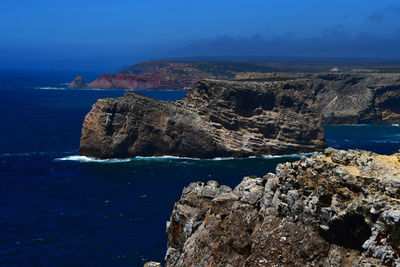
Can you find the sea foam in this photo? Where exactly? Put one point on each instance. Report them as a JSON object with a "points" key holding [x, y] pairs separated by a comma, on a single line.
{"points": [[91, 159], [50, 88], [85, 159], [298, 155]]}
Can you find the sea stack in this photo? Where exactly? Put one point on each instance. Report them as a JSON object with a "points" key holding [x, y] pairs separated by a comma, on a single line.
{"points": [[216, 119], [338, 208], [77, 83]]}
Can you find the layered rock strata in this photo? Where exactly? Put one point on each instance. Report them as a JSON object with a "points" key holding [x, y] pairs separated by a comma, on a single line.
{"points": [[348, 98], [338, 208], [216, 118]]}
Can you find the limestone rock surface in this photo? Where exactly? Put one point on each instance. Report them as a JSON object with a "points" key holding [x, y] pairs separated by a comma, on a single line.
{"points": [[337, 208]]}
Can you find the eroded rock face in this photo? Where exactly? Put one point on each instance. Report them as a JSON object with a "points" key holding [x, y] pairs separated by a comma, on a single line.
{"points": [[216, 118], [349, 98], [338, 208], [77, 83]]}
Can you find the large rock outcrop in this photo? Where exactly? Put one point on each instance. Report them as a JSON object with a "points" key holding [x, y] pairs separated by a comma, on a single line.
{"points": [[77, 83], [216, 118], [338, 208], [348, 98]]}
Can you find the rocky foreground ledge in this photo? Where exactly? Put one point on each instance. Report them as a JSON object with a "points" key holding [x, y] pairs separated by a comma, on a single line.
{"points": [[215, 119], [338, 208]]}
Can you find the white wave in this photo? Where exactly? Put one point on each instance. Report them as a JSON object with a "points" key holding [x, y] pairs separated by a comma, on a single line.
{"points": [[138, 158], [162, 157], [180, 158], [298, 155], [91, 159], [50, 88], [166, 157], [396, 124]]}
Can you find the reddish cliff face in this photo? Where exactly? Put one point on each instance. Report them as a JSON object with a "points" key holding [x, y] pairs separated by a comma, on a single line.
{"points": [[134, 81]]}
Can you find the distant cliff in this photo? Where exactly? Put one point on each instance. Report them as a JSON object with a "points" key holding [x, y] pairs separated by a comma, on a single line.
{"points": [[348, 98], [174, 74], [216, 118], [135, 82], [339, 208]]}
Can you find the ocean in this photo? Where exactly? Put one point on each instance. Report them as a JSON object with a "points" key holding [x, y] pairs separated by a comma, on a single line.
{"points": [[58, 208]]}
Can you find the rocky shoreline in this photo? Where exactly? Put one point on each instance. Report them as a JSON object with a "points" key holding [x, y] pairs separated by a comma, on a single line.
{"points": [[337, 208], [216, 119]]}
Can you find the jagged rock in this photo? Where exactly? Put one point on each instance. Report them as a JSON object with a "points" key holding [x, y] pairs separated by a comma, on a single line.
{"points": [[349, 97], [337, 208], [216, 118], [77, 83]]}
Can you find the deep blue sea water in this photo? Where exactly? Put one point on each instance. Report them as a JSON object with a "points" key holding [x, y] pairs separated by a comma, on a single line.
{"points": [[59, 209]]}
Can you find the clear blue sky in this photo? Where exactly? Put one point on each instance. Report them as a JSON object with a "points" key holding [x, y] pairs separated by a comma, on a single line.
{"points": [[103, 35]]}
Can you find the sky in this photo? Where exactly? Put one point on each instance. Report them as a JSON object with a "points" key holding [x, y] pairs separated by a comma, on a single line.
{"points": [[99, 35]]}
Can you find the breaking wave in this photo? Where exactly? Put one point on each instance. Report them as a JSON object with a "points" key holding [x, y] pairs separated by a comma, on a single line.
{"points": [[299, 155], [85, 159], [90, 159]]}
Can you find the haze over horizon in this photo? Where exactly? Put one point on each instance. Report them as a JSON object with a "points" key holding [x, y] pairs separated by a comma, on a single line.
{"points": [[99, 36]]}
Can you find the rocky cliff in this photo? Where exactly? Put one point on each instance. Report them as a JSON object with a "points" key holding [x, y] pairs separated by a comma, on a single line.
{"points": [[216, 118], [348, 98], [344, 98], [173, 74], [135, 82], [338, 208]]}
